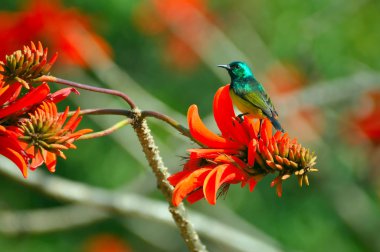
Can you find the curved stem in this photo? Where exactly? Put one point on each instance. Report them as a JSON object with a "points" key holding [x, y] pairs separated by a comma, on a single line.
{"points": [[108, 131], [123, 112], [87, 87], [146, 113], [183, 130], [168, 120]]}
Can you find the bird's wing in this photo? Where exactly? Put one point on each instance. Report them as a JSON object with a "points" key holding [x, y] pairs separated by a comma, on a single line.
{"points": [[259, 98]]}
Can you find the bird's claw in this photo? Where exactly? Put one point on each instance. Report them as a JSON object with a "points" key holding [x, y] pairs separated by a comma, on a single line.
{"points": [[240, 117]]}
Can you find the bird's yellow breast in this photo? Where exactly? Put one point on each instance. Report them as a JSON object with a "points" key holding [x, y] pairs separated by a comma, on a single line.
{"points": [[246, 107]]}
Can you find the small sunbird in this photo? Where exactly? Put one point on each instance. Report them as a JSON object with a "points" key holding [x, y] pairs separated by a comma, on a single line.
{"points": [[249, 95]]}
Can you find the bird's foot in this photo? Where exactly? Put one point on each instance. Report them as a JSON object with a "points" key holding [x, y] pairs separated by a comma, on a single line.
{"points": [[240, 117]]}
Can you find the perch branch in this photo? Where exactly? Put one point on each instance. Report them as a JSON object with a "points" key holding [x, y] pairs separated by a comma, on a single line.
{"points": [[49, 78], [151, 152]]}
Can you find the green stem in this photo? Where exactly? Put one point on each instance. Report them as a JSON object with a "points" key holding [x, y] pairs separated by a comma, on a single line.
{"points": [[108, 131]]}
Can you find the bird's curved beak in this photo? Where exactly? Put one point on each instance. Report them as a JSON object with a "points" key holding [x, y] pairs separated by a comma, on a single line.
{"points": [[225, 66]]}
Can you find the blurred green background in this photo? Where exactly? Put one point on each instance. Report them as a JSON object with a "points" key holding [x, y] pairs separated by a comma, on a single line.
{"points": [[319, 61]]}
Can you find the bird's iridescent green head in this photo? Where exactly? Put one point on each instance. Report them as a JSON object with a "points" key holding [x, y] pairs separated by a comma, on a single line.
{"points": [[238, 70]]}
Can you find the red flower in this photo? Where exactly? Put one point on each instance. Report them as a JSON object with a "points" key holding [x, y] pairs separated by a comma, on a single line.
{"points": [[11, 107], [368, 120], [237, 155], [50, 22], [27, 65], [106, 243], [31, 130], [45, 134], [168, 16], [286, 81], [11, 149]]}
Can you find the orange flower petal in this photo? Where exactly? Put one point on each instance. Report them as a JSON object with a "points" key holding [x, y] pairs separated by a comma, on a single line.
{"points": [[226, 159], [37, 160], [62, 118], [224, 110], [50, 161], [35, 96], [189, 184], [252, 183], [209, 186], [232, 174], [62, 94], [73, 122], [225, 117], [210, 153], [239, 132], [218, 176], [192, 164], [201, 133], [8, 151], [195, 196], [277, 135], [10, 93], [174, 179], [252, 146], [253, 125], [266, 130]]}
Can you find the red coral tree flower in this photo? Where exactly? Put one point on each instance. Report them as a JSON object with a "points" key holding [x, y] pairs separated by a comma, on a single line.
{"points": [[11, 149], [32, 132], [24, 66], [11, 107], [237, 155], [45, 134]]}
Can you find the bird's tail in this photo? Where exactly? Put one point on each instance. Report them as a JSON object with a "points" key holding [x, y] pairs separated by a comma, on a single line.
{"points": [[276, 124]]}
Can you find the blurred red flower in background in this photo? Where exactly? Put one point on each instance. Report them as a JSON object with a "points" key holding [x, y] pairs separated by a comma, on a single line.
{"points": [[287, 81], [106, 243], [286, 78], [164, 17], [237, 156], [47, 21], [368, 120]]}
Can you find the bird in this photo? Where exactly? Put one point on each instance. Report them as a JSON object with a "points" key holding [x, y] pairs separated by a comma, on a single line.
{"points": [[249, 95]]}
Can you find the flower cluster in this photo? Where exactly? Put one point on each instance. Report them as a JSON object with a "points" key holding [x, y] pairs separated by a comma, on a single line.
{"points": [[27, 65], [32, 132], [238, 155]]}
